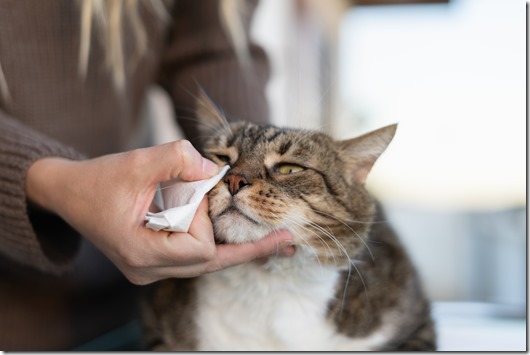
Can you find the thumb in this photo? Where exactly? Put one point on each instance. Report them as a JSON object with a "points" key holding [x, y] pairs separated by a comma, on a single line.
{"points": [[183, 161]]}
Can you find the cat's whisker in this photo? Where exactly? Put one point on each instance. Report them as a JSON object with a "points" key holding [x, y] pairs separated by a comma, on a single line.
{"points": [[205, 103], [309, 222], [222, 127], [293, 221], [345, 220], [303, 239], [277, 218], [346, 225], [215, 129], [350, 264], [206, 125], [317, 227], [350, 261], [345, 290], [320, 239]]}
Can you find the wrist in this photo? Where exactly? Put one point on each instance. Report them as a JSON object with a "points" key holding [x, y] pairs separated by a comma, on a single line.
{"points": [[45, 183]]}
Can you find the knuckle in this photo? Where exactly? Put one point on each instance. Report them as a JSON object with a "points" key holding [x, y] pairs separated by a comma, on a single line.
{"points": [[185, 151], [208, 253], [184, 145], [131, 259], [137, 279]]}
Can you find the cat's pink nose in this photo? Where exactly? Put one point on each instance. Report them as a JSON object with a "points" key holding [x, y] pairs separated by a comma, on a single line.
{"points": [[236, 183]]}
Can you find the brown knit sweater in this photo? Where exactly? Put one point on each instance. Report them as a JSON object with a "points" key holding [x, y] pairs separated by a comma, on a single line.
{"points": [[56, 291]]}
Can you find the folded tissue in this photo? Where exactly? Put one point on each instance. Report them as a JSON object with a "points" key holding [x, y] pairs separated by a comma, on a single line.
{"points": [[180, 202]]}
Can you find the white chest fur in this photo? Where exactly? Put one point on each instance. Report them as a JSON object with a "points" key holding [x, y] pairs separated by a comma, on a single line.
{"points": [[251, 308]]}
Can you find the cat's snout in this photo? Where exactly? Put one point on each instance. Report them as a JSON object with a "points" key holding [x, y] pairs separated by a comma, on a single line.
{"points": [[236, 182]]}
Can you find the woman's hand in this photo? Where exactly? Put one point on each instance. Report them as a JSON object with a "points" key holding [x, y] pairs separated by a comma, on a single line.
{"points": [[107, 198]]}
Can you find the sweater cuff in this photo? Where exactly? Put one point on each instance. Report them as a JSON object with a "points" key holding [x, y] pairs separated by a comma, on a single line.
{"points": [[28, 235]]}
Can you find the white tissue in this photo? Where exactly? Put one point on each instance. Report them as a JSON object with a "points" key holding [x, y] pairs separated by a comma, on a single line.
{"points": [[180, 202]]}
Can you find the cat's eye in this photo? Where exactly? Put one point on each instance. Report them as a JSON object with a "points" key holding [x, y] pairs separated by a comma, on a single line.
{"points": [[223, 158], [286, 169]]}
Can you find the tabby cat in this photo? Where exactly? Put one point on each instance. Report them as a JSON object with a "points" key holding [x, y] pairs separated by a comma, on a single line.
{"points": [[350, 284]]}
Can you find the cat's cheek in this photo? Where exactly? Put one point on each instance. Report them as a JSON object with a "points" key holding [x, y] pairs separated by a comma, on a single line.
{"points": [[218, 199]]}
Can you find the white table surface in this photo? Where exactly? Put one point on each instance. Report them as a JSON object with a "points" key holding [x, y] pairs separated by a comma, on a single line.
{"points": [[479, 327]]}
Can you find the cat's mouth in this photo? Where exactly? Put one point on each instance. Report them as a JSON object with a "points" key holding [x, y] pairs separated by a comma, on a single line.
{"points": [[232, 209], [235, 225]]}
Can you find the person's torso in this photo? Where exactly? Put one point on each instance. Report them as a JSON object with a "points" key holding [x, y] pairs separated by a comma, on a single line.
{"points": [[39, 56]]}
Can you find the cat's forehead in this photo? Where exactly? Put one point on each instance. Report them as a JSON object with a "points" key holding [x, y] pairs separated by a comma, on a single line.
{"points": [[251, 137]]}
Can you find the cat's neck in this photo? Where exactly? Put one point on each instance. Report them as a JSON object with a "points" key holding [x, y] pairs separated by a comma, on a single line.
{"points": [[303, 264], [278, 305]]}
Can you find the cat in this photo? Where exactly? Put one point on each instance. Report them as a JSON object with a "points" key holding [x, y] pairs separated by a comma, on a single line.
{"points": [[349, 286]]}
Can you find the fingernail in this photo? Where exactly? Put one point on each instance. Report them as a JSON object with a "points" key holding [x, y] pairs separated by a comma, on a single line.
{"points": [[287, 251], [209, 167]]}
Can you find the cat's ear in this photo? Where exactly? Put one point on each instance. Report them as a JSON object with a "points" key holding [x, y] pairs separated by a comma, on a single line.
{"points": [[361, 153], [210, 116]]}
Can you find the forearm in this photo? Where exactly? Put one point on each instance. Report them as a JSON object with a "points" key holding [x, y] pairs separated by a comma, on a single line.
{"points": [[20, 240]]}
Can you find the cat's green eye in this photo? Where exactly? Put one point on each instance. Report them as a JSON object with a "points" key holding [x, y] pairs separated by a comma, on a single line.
{"points": [[286, 169]]}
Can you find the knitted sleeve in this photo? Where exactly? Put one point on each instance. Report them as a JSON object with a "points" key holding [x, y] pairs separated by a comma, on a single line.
{"points": [[28, 235], [199, 53]]}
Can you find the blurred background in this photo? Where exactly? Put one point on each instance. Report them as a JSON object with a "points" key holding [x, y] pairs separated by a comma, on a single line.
{"points": [[452, 74]]}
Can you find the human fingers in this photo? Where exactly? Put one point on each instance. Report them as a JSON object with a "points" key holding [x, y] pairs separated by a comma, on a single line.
{"points": [[226, 255], [159, 255], [276, 243], [166, 254], [198, 244], [181, 160], [176, 249], [195, 258]]}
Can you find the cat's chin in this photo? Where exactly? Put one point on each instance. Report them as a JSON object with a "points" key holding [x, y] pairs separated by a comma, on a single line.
{"points": [[238, 229]]}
